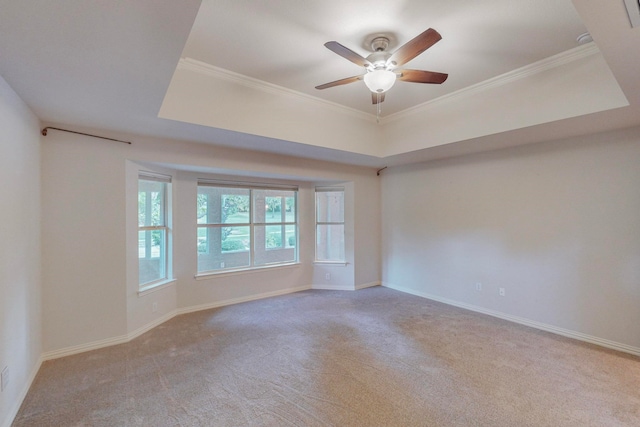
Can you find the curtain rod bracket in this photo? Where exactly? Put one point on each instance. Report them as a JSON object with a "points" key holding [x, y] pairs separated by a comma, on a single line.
{"points": [[44, 133]]}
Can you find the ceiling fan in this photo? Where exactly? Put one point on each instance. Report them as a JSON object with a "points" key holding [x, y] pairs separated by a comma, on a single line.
{"points": [[381, 67]]}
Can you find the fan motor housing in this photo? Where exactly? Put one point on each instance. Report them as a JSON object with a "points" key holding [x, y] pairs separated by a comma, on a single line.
{"points": [[379, 56], [379, 44]]}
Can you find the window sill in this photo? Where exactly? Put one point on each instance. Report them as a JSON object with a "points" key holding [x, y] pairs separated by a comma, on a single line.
{"points": [[337, 263], [212, 274], [155, 287]]}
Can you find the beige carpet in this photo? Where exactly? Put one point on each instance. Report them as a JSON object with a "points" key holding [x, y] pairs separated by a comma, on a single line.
{"points": [[374, 357]]}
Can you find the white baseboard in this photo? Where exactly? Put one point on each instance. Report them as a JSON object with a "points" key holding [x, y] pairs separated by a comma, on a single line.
{"points": [[523, 321], [159, 321], [95, 345], [11, 415], [332, 287], [345, 287], [76, 349], [233, 301], [367, 285]]}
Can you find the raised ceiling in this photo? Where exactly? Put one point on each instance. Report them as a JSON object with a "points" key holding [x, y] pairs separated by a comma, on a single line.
{"points": [[242, 73], [282, 41]]}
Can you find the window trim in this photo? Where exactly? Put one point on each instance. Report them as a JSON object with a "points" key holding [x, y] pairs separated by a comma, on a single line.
{"points": [[245, 184], [156, 286]]}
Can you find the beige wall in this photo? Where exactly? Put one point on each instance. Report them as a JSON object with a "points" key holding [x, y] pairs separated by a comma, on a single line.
{"points": [[90, 200], [20, 289], [555, 224]]}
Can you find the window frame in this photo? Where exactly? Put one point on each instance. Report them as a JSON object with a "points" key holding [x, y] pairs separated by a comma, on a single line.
{"points": [[252, 225], [321, 223], [165, 228]]}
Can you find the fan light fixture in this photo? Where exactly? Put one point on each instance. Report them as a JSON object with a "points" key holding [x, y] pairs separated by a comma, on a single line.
{"points": [[379, 81]]}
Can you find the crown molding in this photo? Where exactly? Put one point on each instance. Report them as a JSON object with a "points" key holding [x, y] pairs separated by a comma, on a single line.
{"points": [[191, 64], [546, 64], [543, 65]]}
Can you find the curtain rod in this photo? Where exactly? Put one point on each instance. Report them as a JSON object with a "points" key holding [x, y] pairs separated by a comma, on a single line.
{"points": [[44, 133]]}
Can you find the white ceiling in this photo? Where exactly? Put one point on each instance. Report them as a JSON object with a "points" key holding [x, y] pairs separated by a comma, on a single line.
{"points": [[282, 41], [107, 65]]}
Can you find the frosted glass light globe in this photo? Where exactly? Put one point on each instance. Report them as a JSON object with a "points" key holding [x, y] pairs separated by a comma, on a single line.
{"points": [[379, 81]]}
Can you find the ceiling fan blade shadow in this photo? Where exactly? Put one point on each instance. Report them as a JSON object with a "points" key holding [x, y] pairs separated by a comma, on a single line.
{"points": [[340, 82], [377, 97], [414, 47], [421, 76], [347, 53]]}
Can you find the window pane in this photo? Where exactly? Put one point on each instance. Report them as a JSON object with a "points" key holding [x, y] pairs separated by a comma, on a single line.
{"points": [[201, 207], [274, 206], [273, 236], [330, 242], [221, 205], [273, 209], [151, 255], [290, 209], [235, 208], [142, 212], [330, 206], [290, 232], [223, 247], [203, 240], [269, 247], [151, 203], [235, 239]]}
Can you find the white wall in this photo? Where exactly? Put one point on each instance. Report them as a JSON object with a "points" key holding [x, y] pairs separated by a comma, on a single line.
{"points": [[90, 192], [367, 232], [83, 236], [20, 289], [556, 224]]}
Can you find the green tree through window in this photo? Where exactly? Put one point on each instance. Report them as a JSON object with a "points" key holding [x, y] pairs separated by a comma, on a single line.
{"points": [[245, 227]]}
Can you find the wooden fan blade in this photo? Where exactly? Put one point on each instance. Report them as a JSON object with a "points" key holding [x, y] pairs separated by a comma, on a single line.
{"points": [[421, 76], [414, 47], [340, 82], [347, 53], [375, 98]]}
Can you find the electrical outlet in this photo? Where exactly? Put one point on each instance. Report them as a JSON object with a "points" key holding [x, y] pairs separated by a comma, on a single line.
{"points": [[327, 276], [154, 307], [4, 378], [478, 286], [501, 292]]}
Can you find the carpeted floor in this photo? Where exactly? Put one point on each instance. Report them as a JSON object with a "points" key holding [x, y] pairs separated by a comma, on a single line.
{"points": [[374, 357]]}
